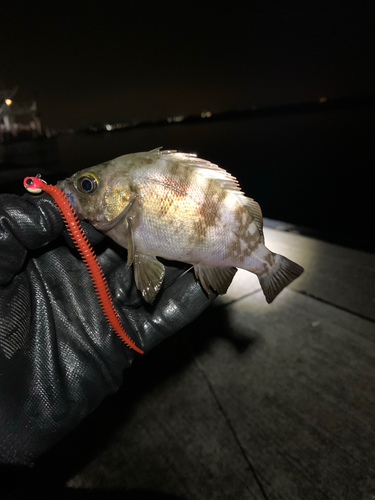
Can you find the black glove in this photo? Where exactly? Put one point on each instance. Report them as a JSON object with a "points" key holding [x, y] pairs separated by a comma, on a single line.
{"points": [[58, 356]]}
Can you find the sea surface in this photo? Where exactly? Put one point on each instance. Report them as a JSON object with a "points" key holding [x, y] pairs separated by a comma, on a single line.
{"points": [[312, 170]]}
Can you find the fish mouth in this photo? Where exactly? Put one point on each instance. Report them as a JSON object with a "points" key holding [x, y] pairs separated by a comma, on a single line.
{"points": [[67, 186]]}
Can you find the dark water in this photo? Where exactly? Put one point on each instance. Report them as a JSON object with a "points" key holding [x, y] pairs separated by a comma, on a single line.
{"points": [[312, 170]]}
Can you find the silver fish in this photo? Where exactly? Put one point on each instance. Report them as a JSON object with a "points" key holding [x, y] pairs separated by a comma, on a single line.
{"points": [[178, 207]]}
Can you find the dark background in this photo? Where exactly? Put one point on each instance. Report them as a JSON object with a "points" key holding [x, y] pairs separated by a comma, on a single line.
{"points": [[91, 62], [107, 60]]}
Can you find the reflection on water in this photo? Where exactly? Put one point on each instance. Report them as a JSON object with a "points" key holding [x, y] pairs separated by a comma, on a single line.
{"points": [[310, 170]]}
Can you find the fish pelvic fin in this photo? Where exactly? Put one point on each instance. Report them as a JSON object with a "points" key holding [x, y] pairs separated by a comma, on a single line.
{"points": [[148, 275], [283, 272]]}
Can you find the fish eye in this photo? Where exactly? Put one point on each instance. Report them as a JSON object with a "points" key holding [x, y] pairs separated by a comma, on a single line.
{"points": [[87, 183]]}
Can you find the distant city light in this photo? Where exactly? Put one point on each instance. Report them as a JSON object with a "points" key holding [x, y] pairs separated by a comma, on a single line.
{"points": [[206, 114], [108, 126], [8, 102], [176, 119], [323, 99]]}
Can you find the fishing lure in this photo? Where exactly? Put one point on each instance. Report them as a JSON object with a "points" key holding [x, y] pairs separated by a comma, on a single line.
{"points": [[37, 185]]}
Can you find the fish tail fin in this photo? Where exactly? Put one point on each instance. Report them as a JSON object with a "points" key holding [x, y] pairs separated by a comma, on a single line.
{"points": [[283, 272]]}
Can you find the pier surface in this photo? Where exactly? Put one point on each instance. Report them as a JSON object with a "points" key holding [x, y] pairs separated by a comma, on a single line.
{"points": [[251, 401]]}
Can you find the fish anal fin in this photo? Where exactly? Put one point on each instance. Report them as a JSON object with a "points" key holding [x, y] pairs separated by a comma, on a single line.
{"points": [[148, 274], [218, 278]]}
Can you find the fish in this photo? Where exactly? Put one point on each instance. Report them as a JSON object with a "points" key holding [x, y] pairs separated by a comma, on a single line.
{"points": [[164, 204]]}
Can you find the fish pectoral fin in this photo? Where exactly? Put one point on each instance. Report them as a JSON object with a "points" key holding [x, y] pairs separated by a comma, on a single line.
{"points": [[106, 225], [130, 242], [218, 278], [148, 274]]}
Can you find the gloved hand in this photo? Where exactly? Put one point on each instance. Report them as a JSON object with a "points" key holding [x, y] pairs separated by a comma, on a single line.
{"points": [[58, 356]]}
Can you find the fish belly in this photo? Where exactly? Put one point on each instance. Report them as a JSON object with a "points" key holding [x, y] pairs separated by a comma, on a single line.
{"points": [[178, 241]]}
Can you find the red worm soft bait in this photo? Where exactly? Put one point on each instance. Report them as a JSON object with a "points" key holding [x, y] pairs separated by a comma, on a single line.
{"points": [[36, 185]]}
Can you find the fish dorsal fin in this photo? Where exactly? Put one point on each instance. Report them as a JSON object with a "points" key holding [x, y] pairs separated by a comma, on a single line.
{"points": [[256, 213], [208, 169]]}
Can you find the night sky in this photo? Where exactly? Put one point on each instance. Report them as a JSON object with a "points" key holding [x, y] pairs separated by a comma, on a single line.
{"points": [[87, 61]]}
